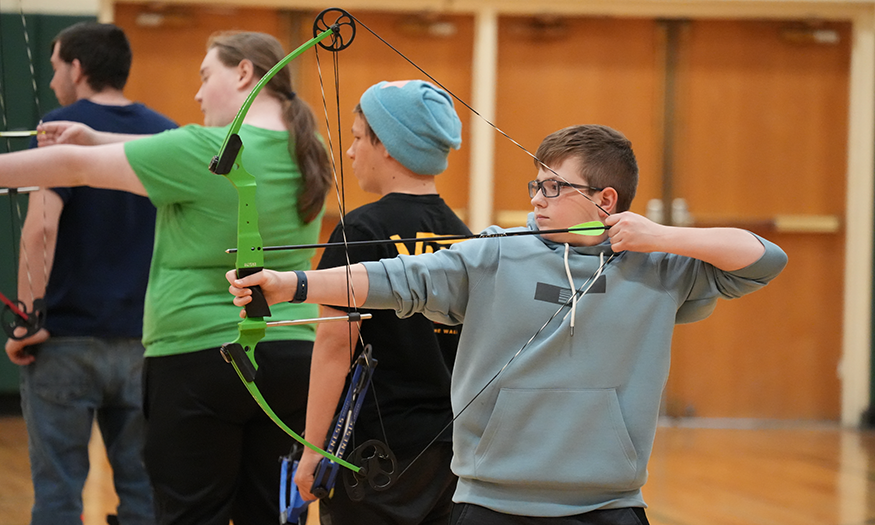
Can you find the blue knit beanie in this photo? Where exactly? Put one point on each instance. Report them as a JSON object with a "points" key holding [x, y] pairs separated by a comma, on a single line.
{"points": [[416, 123]]}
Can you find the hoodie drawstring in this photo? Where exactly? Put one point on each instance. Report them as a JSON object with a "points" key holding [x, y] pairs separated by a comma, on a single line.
{"points": [[592, 281], [573, 288]]}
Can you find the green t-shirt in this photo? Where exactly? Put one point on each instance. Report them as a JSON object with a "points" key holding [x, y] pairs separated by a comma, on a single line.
{"points": [[188, 307]]}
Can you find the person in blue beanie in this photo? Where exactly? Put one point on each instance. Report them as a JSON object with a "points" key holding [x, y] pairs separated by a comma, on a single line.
{"points": [[402, 134], [567, 339], [210, 450]]}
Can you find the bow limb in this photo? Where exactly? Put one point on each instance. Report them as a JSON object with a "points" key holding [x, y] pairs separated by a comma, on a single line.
{"points": [[229, 151], [240, 354]]}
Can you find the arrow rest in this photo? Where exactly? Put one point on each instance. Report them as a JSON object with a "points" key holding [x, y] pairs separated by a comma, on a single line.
{"points": [[32, 323], [378, 469], [343, 28]]}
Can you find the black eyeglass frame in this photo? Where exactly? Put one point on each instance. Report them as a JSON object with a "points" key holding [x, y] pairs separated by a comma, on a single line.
{"points": [[538, 185]]}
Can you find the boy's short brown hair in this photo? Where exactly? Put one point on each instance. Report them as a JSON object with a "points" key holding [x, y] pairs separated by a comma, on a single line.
{"points": [[606, 156]]}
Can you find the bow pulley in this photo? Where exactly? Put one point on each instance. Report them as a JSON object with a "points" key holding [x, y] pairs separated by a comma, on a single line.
{"points": [[377, 469], [343, 28], [15, 315]]}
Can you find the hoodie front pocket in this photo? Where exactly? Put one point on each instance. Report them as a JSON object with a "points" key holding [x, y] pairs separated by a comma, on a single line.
{"points": [[563, 439]]}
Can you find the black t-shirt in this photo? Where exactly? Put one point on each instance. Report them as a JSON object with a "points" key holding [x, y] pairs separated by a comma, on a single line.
{"points": [[415, 356], [104, 245]]}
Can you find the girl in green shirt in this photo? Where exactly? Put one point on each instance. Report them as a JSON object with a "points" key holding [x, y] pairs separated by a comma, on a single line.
{"points": [[210, 451]]}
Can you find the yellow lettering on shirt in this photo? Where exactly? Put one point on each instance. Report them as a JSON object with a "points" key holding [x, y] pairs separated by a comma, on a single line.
{"points": [[423, 246]]}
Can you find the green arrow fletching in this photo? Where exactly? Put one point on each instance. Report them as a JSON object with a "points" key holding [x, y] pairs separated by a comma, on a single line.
{"points": [[591, 228]]}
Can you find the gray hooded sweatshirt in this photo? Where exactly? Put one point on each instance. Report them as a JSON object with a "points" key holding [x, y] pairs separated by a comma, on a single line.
{"points": [[568, 426]]}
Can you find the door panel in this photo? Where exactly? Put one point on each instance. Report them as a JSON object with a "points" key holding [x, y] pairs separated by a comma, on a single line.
{"points": [[762, 132]]}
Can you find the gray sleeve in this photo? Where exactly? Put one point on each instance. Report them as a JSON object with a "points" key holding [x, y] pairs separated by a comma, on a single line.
{"points": [[710, 283], [433, 284]]}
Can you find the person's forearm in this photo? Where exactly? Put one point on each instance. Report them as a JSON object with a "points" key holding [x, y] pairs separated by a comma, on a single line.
{"points": [[726, 248], [105, 137], [37, 247], [49, 167], [98, 167], [329, 287]]}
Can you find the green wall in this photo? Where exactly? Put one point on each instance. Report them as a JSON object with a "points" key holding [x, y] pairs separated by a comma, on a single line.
{"points": [[16, 90]]}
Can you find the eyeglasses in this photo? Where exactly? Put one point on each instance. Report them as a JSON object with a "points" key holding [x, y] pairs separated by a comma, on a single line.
{"points": [[551, 187]]}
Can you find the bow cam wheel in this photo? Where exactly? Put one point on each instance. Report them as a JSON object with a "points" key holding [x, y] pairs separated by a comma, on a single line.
{"points": [[378, 469], [341, 23]]}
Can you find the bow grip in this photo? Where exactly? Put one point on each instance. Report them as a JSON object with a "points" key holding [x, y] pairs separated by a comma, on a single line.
{"points": [[258, 306]]}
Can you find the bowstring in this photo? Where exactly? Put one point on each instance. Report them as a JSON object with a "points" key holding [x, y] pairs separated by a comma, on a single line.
{"points": [[4, 119], [42, 194], [337, 168], [340, 192], [29, 58]]}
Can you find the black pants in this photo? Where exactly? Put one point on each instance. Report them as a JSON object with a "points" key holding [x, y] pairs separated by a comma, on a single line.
{"points": [[423, 496], [211, 453], [467, 514]]}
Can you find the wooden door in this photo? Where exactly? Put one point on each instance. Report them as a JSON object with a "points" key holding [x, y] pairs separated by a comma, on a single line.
{"points": [[761, 135]]}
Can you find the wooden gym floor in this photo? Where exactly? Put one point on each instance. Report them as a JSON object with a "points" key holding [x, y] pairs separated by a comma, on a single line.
{"points": [[737, 474]]}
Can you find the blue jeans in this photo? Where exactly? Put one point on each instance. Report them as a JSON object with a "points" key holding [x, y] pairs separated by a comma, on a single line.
{"points": [[73, 381]]}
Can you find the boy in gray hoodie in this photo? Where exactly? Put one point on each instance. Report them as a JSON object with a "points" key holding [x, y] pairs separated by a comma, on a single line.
{"points": [[565, 386]]}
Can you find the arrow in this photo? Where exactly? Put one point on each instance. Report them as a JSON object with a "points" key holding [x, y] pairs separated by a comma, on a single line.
{"points": [[18, 134], [590, 229]]}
